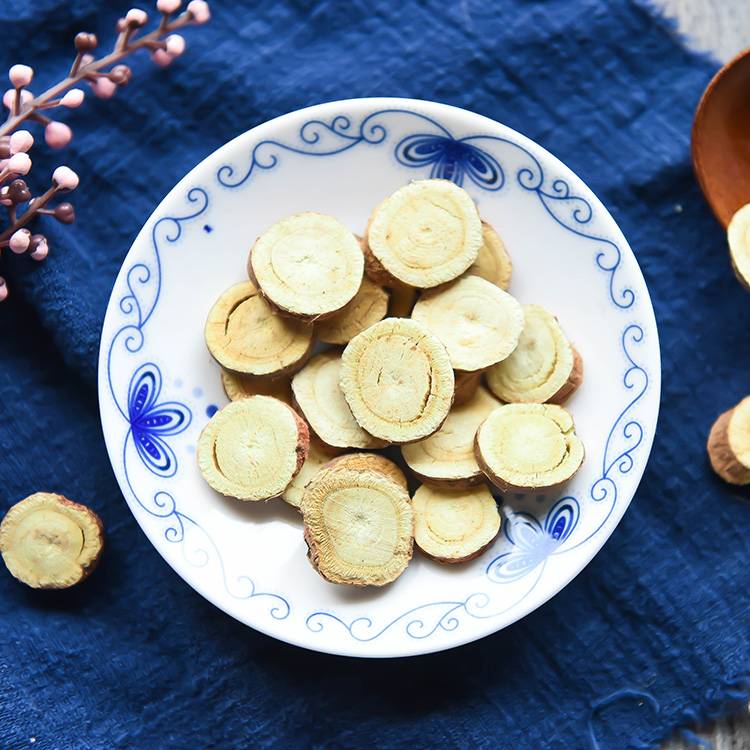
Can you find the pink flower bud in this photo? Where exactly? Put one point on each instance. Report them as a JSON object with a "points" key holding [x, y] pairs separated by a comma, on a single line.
{"points": [[20, 75], [3, 163], [65, 178], [21, 141], [4, 199], [41, 250], [136, 17], [19, 240], [161, 57], [10, 96], [200, 10], [57, 134], [3, 290], [168, 6], [19, 163], [103, 87], [73, 98], [175, 45]]}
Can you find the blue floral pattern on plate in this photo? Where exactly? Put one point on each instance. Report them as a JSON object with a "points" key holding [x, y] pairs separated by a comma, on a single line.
{"points": [[151, 422]]}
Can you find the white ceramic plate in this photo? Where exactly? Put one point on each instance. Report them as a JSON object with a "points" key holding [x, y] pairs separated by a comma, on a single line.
{"points": [[158, 385]]}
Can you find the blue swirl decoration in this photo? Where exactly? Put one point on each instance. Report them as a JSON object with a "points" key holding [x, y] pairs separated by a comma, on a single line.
{"points": [[153, 422], [625, 435]]}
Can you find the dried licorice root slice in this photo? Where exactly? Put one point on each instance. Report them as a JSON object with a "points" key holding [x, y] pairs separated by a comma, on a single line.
{"points": [[370, 304], [446, 459], [49, 542], [729, 444], [478, 322], [245, 336], [398, 381], [453, 526], [253, 448], [318, 396], [738, 235], [316, 459], [372, 461], [359, 526], [239, 386], [402, 301], [466, 386], [530, 448], [425, 234], [543, 367], [493, 262], [307, 265]]}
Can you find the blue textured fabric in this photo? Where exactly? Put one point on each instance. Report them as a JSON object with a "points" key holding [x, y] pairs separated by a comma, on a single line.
{"points": [[652, 634]]}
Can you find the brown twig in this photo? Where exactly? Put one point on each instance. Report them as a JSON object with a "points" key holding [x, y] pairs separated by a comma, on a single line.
{"points": [[89, 72]]}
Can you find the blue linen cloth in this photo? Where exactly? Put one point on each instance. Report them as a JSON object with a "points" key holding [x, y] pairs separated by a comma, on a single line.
{"points": [[654, 633]]}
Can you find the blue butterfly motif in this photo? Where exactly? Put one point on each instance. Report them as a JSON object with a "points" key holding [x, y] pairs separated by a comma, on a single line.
{"points": [[451, 159], [150, 421], [534, 542]]}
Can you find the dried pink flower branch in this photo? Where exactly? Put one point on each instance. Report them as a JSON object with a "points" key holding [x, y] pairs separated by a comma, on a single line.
{"points": [[104, 76]]}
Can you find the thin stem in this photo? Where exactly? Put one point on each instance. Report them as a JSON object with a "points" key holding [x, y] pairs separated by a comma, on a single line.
{"points": [[76, 64], [86, 71], [28, 214]]}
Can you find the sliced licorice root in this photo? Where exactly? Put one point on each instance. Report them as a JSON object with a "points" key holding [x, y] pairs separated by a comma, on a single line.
{"points": [[372, 461], [478, 322], [253, 448], [452, 526], [307, 265], [493, 262], [446, 459], [314, 462], [529, 448], [466, 385], [729, 444], [738, 235], [370, 304], [359, 526], [50, 542], [318, 460], [319, 398], [425, 234], [240, 386], [543, 367], [398, 381], [245, 336]]}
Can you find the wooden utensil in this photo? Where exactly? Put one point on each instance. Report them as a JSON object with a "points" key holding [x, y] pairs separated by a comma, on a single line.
{"points": [[720, 141]]}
